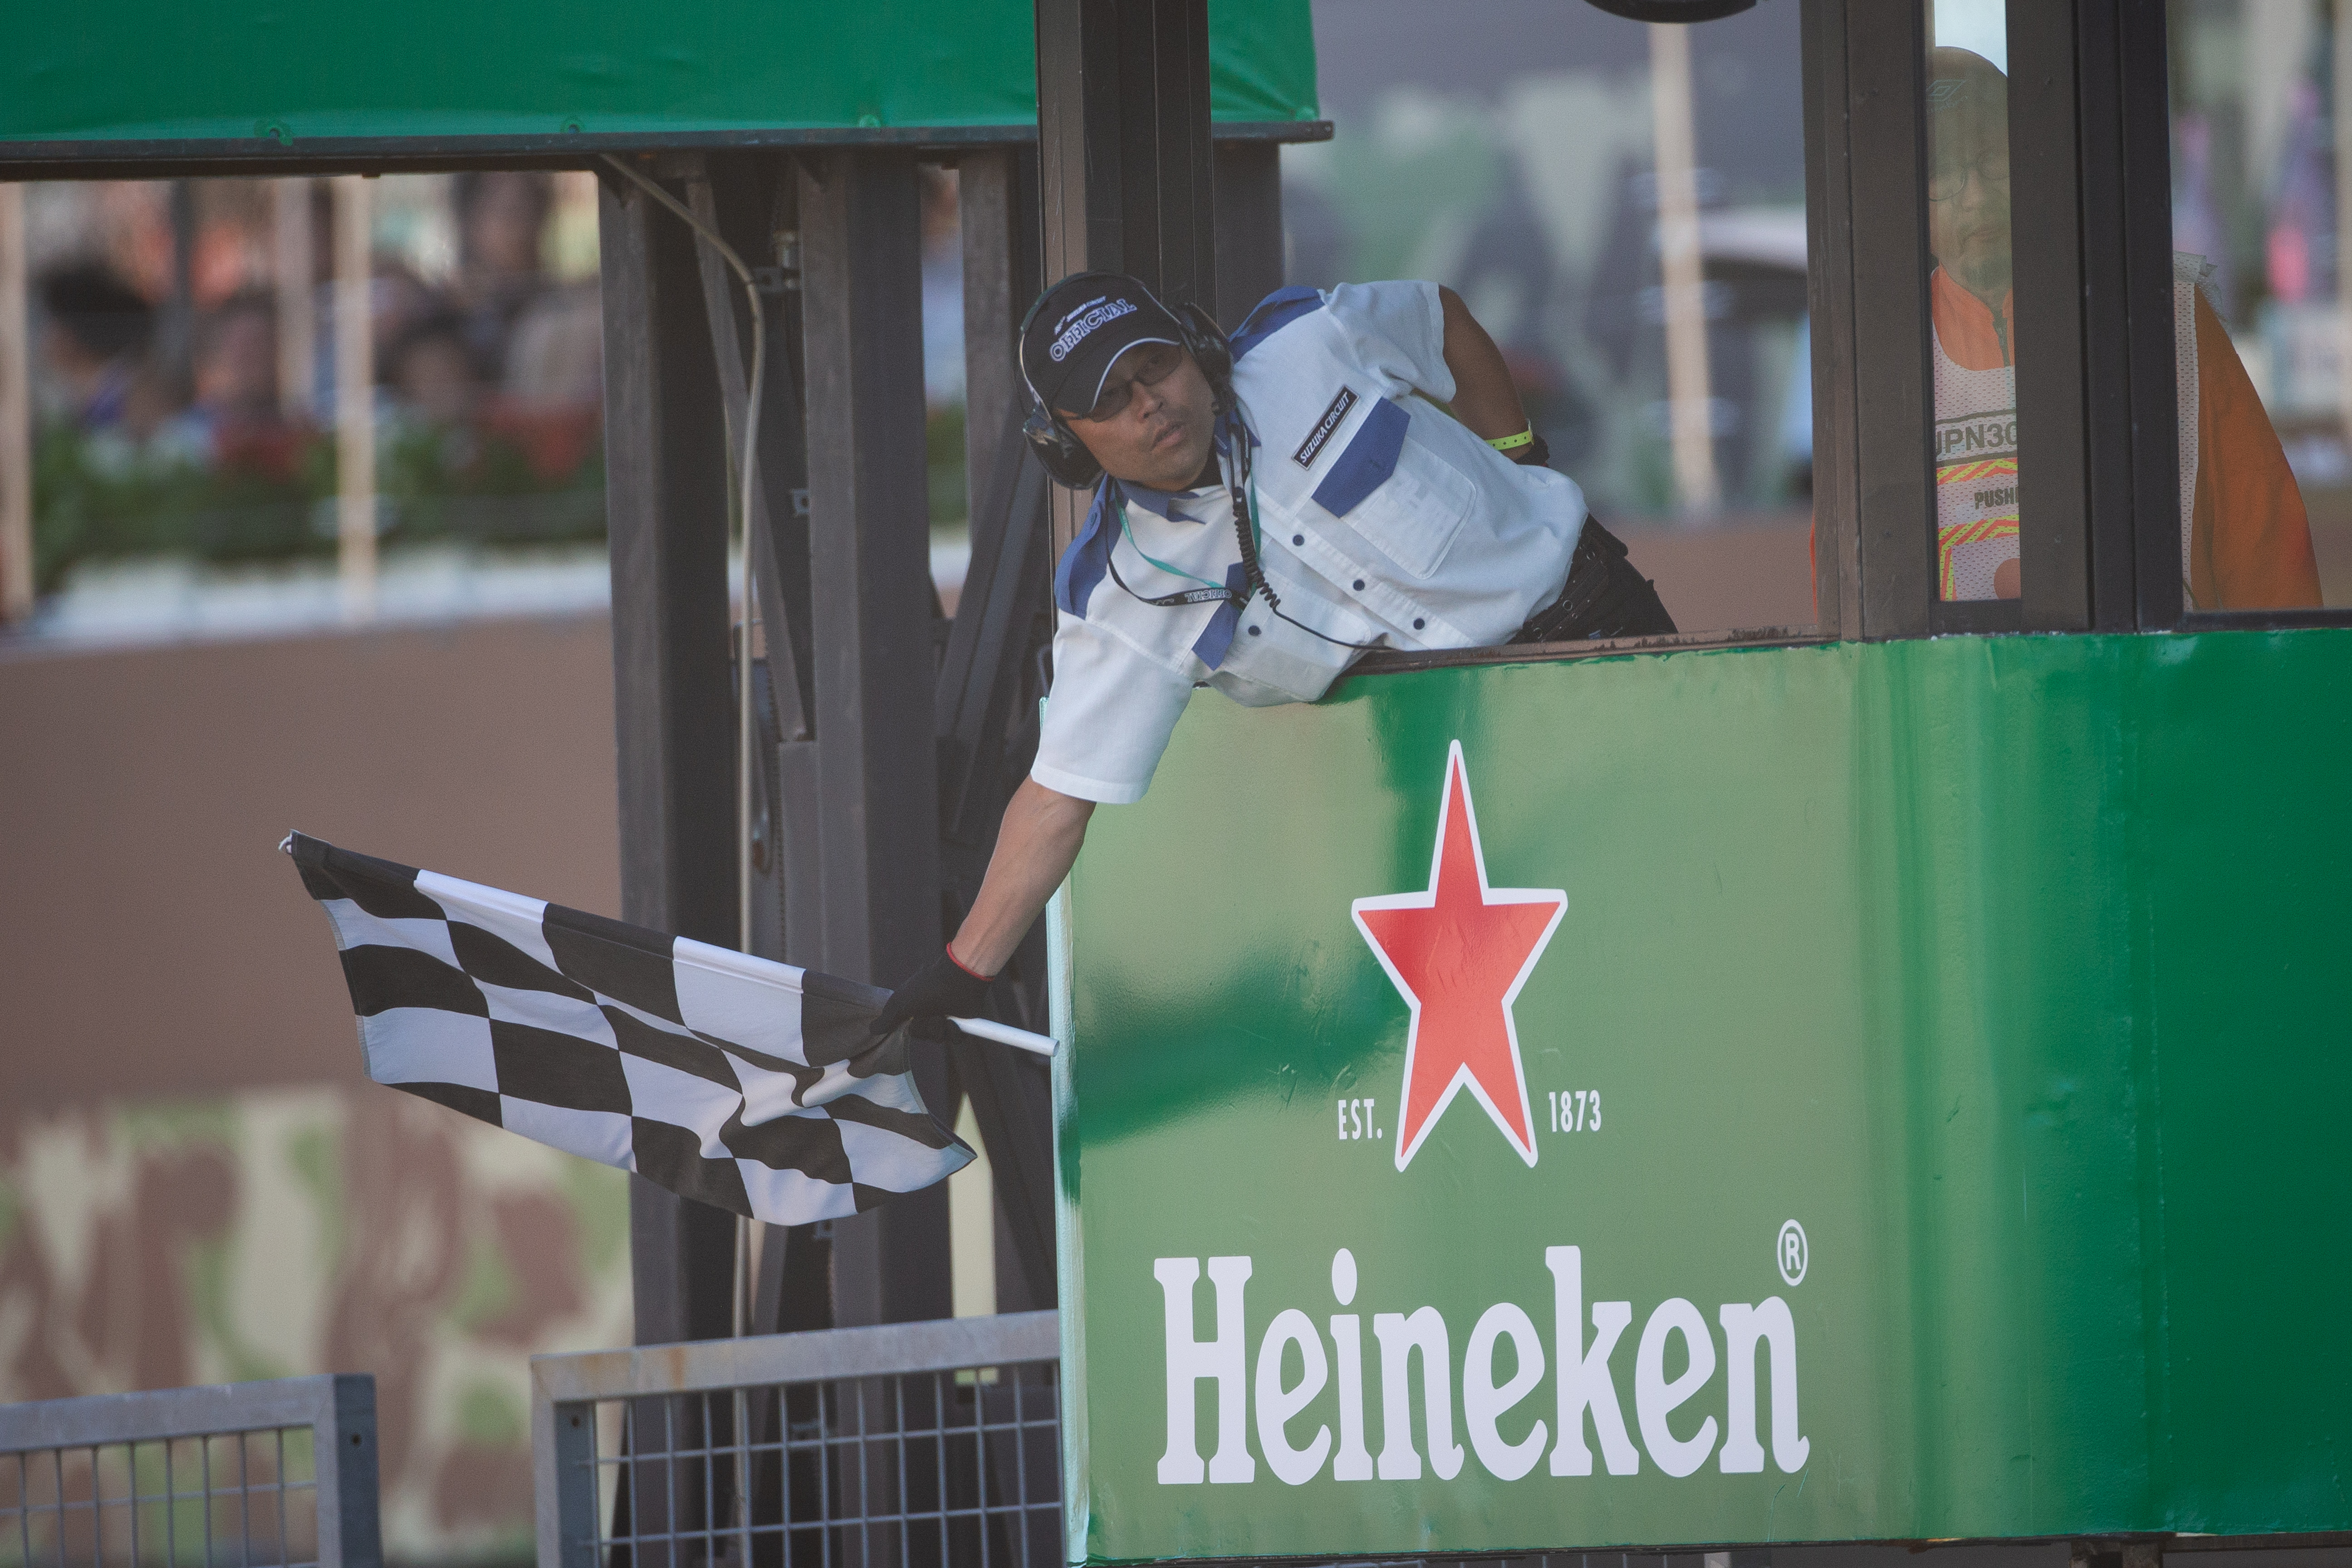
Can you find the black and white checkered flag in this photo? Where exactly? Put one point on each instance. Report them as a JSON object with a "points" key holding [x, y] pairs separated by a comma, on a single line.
{"points": [[746, 1084]]}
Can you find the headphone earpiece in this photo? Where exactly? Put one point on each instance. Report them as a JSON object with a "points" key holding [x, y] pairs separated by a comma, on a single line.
{"points": [[1060, 452], [1210, 347]]}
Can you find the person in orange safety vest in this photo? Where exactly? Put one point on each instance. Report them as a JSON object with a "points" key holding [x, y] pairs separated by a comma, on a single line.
{"points": [[2246, 542]]}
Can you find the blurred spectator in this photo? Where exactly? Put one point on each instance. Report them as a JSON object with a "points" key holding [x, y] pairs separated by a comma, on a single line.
{"points": [[236, 420], [501, 218], [237, 361], [555, 356], [432, 371], [97, 336]]}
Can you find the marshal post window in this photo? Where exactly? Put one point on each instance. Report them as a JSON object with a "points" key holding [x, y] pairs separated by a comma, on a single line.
{"points": [[2260, 158], [1973, 340]]}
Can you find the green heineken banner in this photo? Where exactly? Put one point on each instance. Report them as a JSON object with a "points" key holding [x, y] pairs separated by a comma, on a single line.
{"points": [[1872, 1091]]}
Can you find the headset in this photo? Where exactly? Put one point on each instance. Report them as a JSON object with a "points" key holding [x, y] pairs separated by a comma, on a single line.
{"points": [[1059, 451], [1065, 458]]}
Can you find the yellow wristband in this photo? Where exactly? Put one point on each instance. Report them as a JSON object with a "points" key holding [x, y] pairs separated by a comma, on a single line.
{"points": [[1512, 442]]}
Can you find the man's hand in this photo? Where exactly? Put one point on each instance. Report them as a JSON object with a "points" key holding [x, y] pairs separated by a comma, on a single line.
{"points": [[940, 989]]}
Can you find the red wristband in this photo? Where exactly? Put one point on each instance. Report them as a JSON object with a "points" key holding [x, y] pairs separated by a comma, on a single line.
{"points": [[968, 969]]}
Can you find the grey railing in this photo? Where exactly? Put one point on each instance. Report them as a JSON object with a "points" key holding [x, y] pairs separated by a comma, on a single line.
{"points": [[233, 1475], [934, 1444]]}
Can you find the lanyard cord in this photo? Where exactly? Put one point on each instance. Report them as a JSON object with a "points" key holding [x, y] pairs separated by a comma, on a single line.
{"points": [[1241, 489], [1240, 480], [1207, 593]]}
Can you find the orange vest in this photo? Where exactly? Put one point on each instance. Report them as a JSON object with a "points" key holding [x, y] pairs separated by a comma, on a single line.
{"points": [[1975, 463], [2247, 538]]}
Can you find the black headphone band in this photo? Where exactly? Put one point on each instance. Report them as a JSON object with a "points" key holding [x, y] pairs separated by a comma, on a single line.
{"points": [[1059, 451]]}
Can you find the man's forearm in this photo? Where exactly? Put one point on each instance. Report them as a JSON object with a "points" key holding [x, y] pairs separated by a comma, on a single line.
{"points": [[1035, 845], [1485, 396]]}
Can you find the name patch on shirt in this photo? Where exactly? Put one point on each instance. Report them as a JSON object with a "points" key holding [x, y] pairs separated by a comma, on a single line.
{"points": [[1333, 417]]}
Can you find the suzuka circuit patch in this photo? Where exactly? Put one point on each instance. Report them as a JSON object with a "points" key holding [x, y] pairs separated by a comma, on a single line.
{"points": [[1317, 438]]}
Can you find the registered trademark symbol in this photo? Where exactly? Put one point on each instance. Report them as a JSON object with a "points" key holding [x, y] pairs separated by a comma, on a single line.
{"points": [[1790, 1252]]}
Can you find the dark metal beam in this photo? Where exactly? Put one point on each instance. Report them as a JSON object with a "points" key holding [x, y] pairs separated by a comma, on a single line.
{"points": [[1895, 498], [997, 207], [985, 708], [1249, 228], [1123, 142], [875, 665], [1829, 284], [749, 200], [1126, 173], [2054, 463], [2150, 597], [667, 508]]}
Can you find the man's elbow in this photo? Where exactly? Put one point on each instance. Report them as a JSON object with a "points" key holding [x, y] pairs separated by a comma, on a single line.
{"points": [[1071, 813], [1068, 812]]}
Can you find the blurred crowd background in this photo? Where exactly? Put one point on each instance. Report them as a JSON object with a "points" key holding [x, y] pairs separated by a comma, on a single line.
{"points": [[1510, 153], [184, 355], [2259, 160], [195, 1184], [183, 332]]}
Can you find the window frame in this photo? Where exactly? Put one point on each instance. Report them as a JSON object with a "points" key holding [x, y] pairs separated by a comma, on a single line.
{"points": [[2099, 455]]}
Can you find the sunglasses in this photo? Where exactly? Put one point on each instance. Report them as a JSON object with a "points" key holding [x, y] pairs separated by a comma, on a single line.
{"points": [[1149, 366]]}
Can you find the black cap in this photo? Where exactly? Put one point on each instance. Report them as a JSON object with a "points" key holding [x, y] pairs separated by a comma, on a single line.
{"points": [[1079, 326]]}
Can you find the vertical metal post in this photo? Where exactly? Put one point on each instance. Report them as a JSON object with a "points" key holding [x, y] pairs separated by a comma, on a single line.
{"points": [[1249, 226], [354, 400], [666, 499], [2046, 212], [2341, 74], [873, 614], [176, 329], [1126, 171], [563, 1479], [16, 414], [1886, 56], [1690, 396], [985, 700], [297, 317], [1830, 289], [2142, 240], [343, 1445], [997, 202]]}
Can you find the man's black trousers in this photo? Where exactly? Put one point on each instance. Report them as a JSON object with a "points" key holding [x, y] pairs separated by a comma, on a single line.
{"points": [[1604, 597]]}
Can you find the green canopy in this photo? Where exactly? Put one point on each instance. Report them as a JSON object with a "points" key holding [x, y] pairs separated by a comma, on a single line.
{"points": [[233, 70]]}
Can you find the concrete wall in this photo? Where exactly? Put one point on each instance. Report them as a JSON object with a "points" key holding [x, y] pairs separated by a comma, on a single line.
{"points": [[152, 940], [196, 1183]]}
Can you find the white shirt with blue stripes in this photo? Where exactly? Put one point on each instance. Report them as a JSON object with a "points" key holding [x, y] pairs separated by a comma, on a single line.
{"points": [[1383, 522]]}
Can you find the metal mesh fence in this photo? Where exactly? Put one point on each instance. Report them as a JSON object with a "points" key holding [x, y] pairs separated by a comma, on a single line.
{"points": [[241, 1475], [920, 1470], [230, 1499], [918, 1452]]}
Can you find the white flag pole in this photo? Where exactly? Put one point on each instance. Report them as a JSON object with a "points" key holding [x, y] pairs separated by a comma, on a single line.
{"points": [[1005, 1034]]}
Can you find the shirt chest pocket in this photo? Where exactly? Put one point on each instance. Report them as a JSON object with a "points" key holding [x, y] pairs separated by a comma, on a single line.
{"points": [[1406, 502]]}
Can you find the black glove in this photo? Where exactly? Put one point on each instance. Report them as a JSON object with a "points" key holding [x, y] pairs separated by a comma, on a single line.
{"points": [[1535, 454], [940, 989]]}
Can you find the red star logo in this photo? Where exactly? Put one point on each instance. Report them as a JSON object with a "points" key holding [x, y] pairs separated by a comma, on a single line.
{"points": [[1459, 952]]}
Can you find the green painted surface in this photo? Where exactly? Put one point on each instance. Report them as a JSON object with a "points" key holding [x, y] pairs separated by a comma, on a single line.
{"points": [[245, 69], [2010, 968]]}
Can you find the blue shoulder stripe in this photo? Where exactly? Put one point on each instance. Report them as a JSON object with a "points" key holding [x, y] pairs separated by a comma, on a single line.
{"points": [[1087, 558], [1272, 313], [1369, 461]]}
